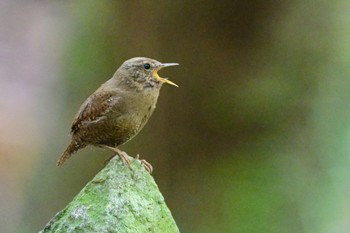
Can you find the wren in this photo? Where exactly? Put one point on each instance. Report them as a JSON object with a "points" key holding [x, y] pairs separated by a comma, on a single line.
{"points": [[118, 109]]}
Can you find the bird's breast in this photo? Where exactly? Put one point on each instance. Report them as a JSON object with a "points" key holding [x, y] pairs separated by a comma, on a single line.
{"points": [[132, 117]]}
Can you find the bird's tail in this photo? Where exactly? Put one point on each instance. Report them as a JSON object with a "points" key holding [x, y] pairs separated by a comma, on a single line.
{"points": [[71, 149]]}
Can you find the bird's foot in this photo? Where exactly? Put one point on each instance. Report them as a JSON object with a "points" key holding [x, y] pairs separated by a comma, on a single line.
{"points": [[145, 164], [122, 155], [126, 159]]}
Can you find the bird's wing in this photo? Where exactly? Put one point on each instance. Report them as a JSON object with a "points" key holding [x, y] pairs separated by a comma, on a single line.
{"points": [[95, 107]]}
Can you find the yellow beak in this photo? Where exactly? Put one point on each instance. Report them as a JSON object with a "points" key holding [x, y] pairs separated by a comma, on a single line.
{"points": [[164, 80]]}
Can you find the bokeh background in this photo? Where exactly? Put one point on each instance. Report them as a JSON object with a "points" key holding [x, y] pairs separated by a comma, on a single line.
{"points": [[255, 139]]}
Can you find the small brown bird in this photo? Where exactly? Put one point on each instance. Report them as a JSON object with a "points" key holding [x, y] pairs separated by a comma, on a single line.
{"points": [[119, 109]]}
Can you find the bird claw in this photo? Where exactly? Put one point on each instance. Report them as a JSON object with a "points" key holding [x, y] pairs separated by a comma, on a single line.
{"points": [[126, 159], [145, 164], [122, 155]]}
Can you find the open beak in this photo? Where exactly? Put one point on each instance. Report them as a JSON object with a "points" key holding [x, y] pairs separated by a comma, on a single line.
{"points": [[164, 80]]}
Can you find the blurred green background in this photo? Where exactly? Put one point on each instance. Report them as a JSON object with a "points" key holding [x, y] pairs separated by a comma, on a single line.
{"points": [[255, 139]]}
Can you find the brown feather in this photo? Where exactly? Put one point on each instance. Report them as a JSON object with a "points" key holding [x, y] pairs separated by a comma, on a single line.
{"points": [[97, 105]]}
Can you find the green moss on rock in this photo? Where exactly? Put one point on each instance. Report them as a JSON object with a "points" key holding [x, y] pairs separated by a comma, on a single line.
{"points": [[116, 200]]}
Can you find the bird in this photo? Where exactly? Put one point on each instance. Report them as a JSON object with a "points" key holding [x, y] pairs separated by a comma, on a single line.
{"points": [[118, 109]]}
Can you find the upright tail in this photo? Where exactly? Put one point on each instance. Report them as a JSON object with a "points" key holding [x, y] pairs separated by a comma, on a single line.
{"points": [[71, 149]]}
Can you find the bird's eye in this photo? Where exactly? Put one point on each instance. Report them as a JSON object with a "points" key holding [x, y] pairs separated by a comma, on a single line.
{"points": [[146, 66]]}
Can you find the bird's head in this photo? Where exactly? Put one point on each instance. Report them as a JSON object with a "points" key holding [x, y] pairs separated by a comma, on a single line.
{"points": [[144, 71]]}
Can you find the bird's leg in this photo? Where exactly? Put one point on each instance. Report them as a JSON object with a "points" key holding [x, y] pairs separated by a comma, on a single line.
{"points": [[145, 164], [125, 158], [122, 155]]}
